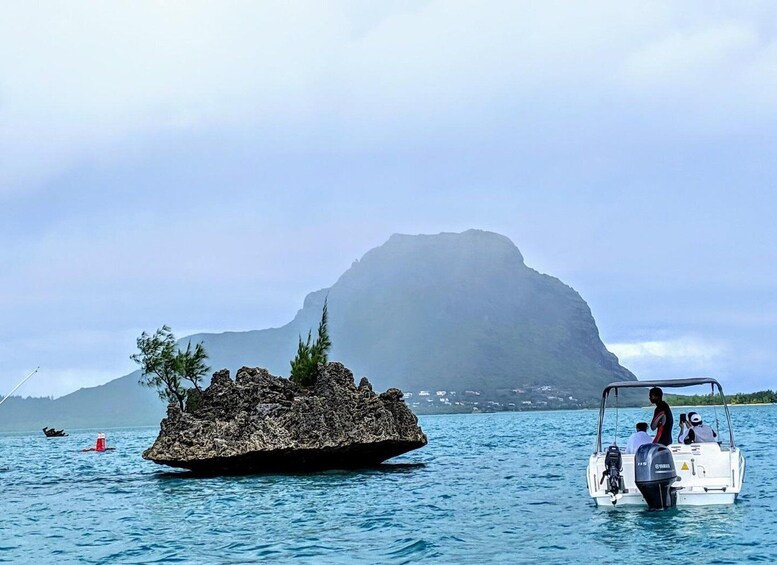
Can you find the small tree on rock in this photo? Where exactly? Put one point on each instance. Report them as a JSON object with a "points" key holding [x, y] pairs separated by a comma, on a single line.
{"points": [[191, 365], [311, 354], [163, 366]]}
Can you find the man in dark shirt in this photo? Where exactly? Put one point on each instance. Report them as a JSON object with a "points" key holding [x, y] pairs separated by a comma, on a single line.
{"points": [[662, 417]]}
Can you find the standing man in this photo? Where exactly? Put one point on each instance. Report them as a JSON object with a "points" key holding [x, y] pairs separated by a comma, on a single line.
{"points": [[662, 417]]}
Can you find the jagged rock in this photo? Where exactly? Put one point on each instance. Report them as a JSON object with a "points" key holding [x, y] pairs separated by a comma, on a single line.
{"points": [[259, 423]]}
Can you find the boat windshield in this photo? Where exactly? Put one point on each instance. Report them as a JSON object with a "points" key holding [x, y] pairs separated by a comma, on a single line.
{"points": [[621, 412]]}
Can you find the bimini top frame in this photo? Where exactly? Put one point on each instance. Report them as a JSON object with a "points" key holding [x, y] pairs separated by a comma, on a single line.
{"points": [[674, 383]]}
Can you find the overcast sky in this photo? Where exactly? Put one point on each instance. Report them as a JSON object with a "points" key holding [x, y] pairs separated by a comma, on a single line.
{"points": [[206, 164]]}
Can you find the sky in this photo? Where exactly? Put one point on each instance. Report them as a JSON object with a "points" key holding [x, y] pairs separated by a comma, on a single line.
{"points": [[207, 164]]}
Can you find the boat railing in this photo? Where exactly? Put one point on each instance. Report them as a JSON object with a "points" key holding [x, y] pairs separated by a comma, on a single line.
{"points": [[676, 383]]}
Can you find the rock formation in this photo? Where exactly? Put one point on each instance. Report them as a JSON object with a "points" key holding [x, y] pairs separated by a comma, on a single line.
{"points": [[259, 422]]}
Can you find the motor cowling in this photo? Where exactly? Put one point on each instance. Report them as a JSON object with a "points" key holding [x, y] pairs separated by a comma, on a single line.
{"points": [[613, 465], [655, 476]]}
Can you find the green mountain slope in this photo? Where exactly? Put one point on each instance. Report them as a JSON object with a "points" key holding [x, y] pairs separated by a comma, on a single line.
{"points": [[452, 312]]}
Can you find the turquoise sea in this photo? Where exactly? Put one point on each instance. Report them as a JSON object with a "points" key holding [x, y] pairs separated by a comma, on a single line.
{"points": [[489, 488]]}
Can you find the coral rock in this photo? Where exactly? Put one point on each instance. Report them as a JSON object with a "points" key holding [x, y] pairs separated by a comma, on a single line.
{"points": [[260, 423]]}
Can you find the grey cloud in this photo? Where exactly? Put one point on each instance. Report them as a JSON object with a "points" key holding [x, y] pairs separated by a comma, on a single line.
{"points": [[205, 166]]}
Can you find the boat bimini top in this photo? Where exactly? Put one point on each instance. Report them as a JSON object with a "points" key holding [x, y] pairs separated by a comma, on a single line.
{"points": [[669, 383]]}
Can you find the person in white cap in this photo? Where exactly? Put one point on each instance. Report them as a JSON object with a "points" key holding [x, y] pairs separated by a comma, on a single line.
{"points": [[697, 432]]}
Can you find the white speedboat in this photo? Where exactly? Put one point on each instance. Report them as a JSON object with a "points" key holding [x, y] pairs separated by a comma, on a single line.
{"points": [[660, 476]]}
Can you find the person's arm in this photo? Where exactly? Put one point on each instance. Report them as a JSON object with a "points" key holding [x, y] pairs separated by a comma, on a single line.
{"points": [[658, 423], [683, 433], [690, 437]]}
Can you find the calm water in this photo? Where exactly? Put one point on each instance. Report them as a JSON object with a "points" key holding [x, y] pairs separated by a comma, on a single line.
{"points": [[488, 488]]}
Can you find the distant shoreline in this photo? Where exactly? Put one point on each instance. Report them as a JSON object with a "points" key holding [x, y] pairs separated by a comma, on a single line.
{"points": [[721, 405], [81, 429], [594, 408]]}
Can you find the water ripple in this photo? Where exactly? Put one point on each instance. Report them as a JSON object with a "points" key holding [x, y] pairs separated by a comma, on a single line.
{"points": [[502, 488]]}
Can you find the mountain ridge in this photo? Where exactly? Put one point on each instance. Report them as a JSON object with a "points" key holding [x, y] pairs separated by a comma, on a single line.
{"points": [[449, 311]]}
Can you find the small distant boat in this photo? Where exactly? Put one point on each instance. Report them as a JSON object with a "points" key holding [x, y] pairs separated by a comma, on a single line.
{"points": [[51, 432], [659, 476]]}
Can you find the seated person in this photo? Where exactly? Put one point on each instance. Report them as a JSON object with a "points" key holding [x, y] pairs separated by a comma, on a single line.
{"points": [[695, 431], [638, 438]]}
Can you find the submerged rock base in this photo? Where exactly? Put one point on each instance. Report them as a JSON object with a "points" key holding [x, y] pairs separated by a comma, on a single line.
{"points": [[262, 423]]}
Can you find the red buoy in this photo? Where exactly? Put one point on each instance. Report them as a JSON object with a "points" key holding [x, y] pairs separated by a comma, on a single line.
{"points": [[100, 445]]}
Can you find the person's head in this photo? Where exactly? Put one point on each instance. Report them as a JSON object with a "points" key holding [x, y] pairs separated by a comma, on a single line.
{"points": [[655, 395], [694, 418], [641, 426]]}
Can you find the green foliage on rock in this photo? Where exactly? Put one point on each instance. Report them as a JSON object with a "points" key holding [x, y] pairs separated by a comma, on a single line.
{"points": [[193, 400], [165, 367], [311, 354], [191, 365]]}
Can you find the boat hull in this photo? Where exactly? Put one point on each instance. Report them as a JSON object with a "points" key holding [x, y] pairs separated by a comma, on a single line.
{"points": [[708, 474], [706, 499]]}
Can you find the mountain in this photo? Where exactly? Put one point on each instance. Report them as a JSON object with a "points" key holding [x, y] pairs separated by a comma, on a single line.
{"points": [[450, 312]]}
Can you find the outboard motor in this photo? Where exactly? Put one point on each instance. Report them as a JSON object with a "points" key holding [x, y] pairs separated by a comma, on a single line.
{"points": [[613, 465], [654, 475]]}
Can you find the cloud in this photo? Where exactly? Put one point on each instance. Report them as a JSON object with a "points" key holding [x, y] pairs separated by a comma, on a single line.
{"points": [[692, 57], [58, 382], [680, 357], [86, 75], [206, 165], [68, 360], [687, 348], [739, 363]]}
